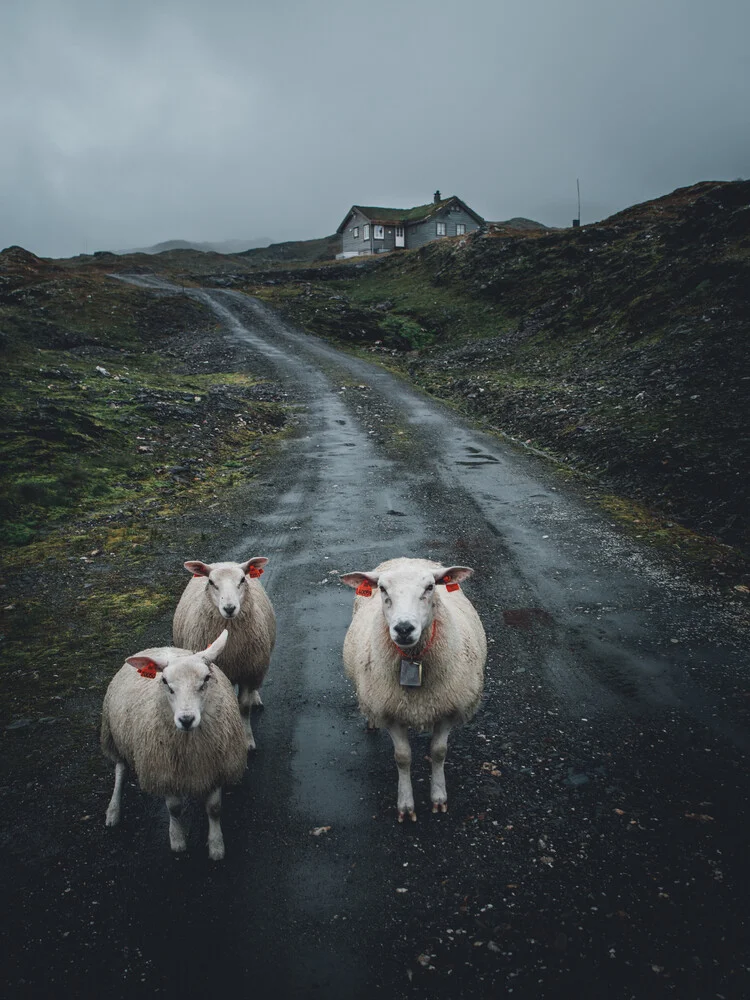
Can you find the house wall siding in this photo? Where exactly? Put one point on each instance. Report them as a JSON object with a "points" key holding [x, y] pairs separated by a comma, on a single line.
{"points": [[423, 232], [351, 245], [416, 234]]}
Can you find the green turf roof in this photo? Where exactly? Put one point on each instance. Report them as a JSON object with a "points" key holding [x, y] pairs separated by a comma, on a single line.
{"points": [[391, 216], [401, 214]]}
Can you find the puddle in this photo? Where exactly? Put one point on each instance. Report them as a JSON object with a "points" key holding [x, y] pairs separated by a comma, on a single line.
{"points": [[525, 617], [478, 457]]}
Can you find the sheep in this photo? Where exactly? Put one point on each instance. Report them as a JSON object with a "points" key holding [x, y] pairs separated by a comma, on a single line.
{"points": [[181, 735], [229, 595], [416, 657]]}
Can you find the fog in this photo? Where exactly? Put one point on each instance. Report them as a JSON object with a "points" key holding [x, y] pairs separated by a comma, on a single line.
{"points": [[127, 124]]}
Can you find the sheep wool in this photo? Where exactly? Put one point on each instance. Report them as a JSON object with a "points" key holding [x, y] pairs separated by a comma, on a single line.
{"points": [[453, 666], [252, 632], [138, 727], [415, 651]]}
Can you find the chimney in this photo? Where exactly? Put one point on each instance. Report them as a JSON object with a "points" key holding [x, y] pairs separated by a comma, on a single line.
{"points": [[436, 196]]}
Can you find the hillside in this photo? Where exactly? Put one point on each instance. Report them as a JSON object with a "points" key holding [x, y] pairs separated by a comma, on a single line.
{"points": [[222, 246], [123, 411], [619, 348], [304, 251]]}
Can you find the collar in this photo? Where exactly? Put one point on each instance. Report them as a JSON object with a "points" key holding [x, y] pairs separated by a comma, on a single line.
{"points": [[420, 655]]}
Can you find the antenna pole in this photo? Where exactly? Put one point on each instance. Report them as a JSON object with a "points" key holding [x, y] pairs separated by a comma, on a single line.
{"points": [[578, 187]]}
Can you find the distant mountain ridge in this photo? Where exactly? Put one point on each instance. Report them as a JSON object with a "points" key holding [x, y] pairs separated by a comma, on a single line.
{"points": [[223, 246], [519, 222]]}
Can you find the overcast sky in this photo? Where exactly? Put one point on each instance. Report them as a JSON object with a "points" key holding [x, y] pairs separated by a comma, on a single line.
{"points": [[131, 122]]}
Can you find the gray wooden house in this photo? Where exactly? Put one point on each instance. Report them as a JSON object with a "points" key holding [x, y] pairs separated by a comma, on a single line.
{"points": [[378, 230]]}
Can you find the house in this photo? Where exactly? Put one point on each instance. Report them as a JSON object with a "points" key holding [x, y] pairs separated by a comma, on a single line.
{"points": [[378, 230]]}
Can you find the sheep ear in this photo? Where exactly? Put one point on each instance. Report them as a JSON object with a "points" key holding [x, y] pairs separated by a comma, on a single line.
{"points": [[197, 568], [258, 562], [457, 573], [355, 579], [215, 649], [146, 666]]}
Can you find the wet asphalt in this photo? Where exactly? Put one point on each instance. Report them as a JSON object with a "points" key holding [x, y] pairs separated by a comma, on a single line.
{"points": [[595, 843]]}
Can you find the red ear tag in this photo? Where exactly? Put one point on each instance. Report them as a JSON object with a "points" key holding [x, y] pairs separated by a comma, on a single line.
{"points": [[254, 572], [149, 670], [364, 589], [449, 585]]}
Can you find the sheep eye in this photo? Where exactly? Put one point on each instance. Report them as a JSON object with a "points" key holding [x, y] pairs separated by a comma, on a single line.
{"points": [[212, 584], [241, 582], [428, 588], [206, 679]]}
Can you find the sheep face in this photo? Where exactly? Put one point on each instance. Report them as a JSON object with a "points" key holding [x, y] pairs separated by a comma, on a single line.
{"points": [[407, 595], [407, 599], [185, 680], [226, 582]]}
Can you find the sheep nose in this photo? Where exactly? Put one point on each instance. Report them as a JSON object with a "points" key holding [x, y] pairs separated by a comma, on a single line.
{"points": [[186, 721], [403, 630], [229, 609]]}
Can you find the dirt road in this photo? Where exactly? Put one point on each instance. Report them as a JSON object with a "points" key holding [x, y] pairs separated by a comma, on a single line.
{"points": [[595, 843]]}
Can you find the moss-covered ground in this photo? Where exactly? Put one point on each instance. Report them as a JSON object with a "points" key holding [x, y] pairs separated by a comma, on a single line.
{"points": [[121, 414]]}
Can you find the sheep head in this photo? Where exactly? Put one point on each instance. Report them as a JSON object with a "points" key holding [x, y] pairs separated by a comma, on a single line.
{"points": [[226, 582], [407, 594], [185, 679]]}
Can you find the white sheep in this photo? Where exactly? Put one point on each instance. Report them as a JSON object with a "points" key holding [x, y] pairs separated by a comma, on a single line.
{"points": [[416, 657], [171, 716], [229, 595]]}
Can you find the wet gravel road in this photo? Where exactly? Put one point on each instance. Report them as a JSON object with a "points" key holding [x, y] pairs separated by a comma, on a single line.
{"points": [[595, 843]]}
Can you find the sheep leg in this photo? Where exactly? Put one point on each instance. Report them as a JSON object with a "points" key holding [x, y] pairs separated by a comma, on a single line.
{"points": [[215, 836], [438, 750], [245, 699], [177, 840], [115, 803], [402, 753]]}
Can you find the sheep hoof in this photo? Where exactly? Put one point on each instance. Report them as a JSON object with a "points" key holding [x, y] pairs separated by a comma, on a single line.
{"points": [[251, 744], [407, 812], [216, 852], [440, 807], [113, 817]]}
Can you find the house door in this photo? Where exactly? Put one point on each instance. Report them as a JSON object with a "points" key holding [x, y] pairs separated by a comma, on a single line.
{"points": [[399, 236]]}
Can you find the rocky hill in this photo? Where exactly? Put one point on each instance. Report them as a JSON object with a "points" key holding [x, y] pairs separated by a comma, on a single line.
{"points": [[620, 348], [303, 251]]}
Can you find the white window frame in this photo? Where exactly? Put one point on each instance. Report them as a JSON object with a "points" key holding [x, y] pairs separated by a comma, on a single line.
{"points": [[460, 229], [366, 231], [355, 233], [378, 232], [440, 229]]}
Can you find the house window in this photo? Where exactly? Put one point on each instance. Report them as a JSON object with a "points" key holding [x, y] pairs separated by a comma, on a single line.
{"points": [[355, 232], [378, 232], [366, 232], [460, 228], [441, 229]]}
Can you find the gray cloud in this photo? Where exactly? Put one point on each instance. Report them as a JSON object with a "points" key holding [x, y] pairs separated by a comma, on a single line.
{"points": [[127, 124]]}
